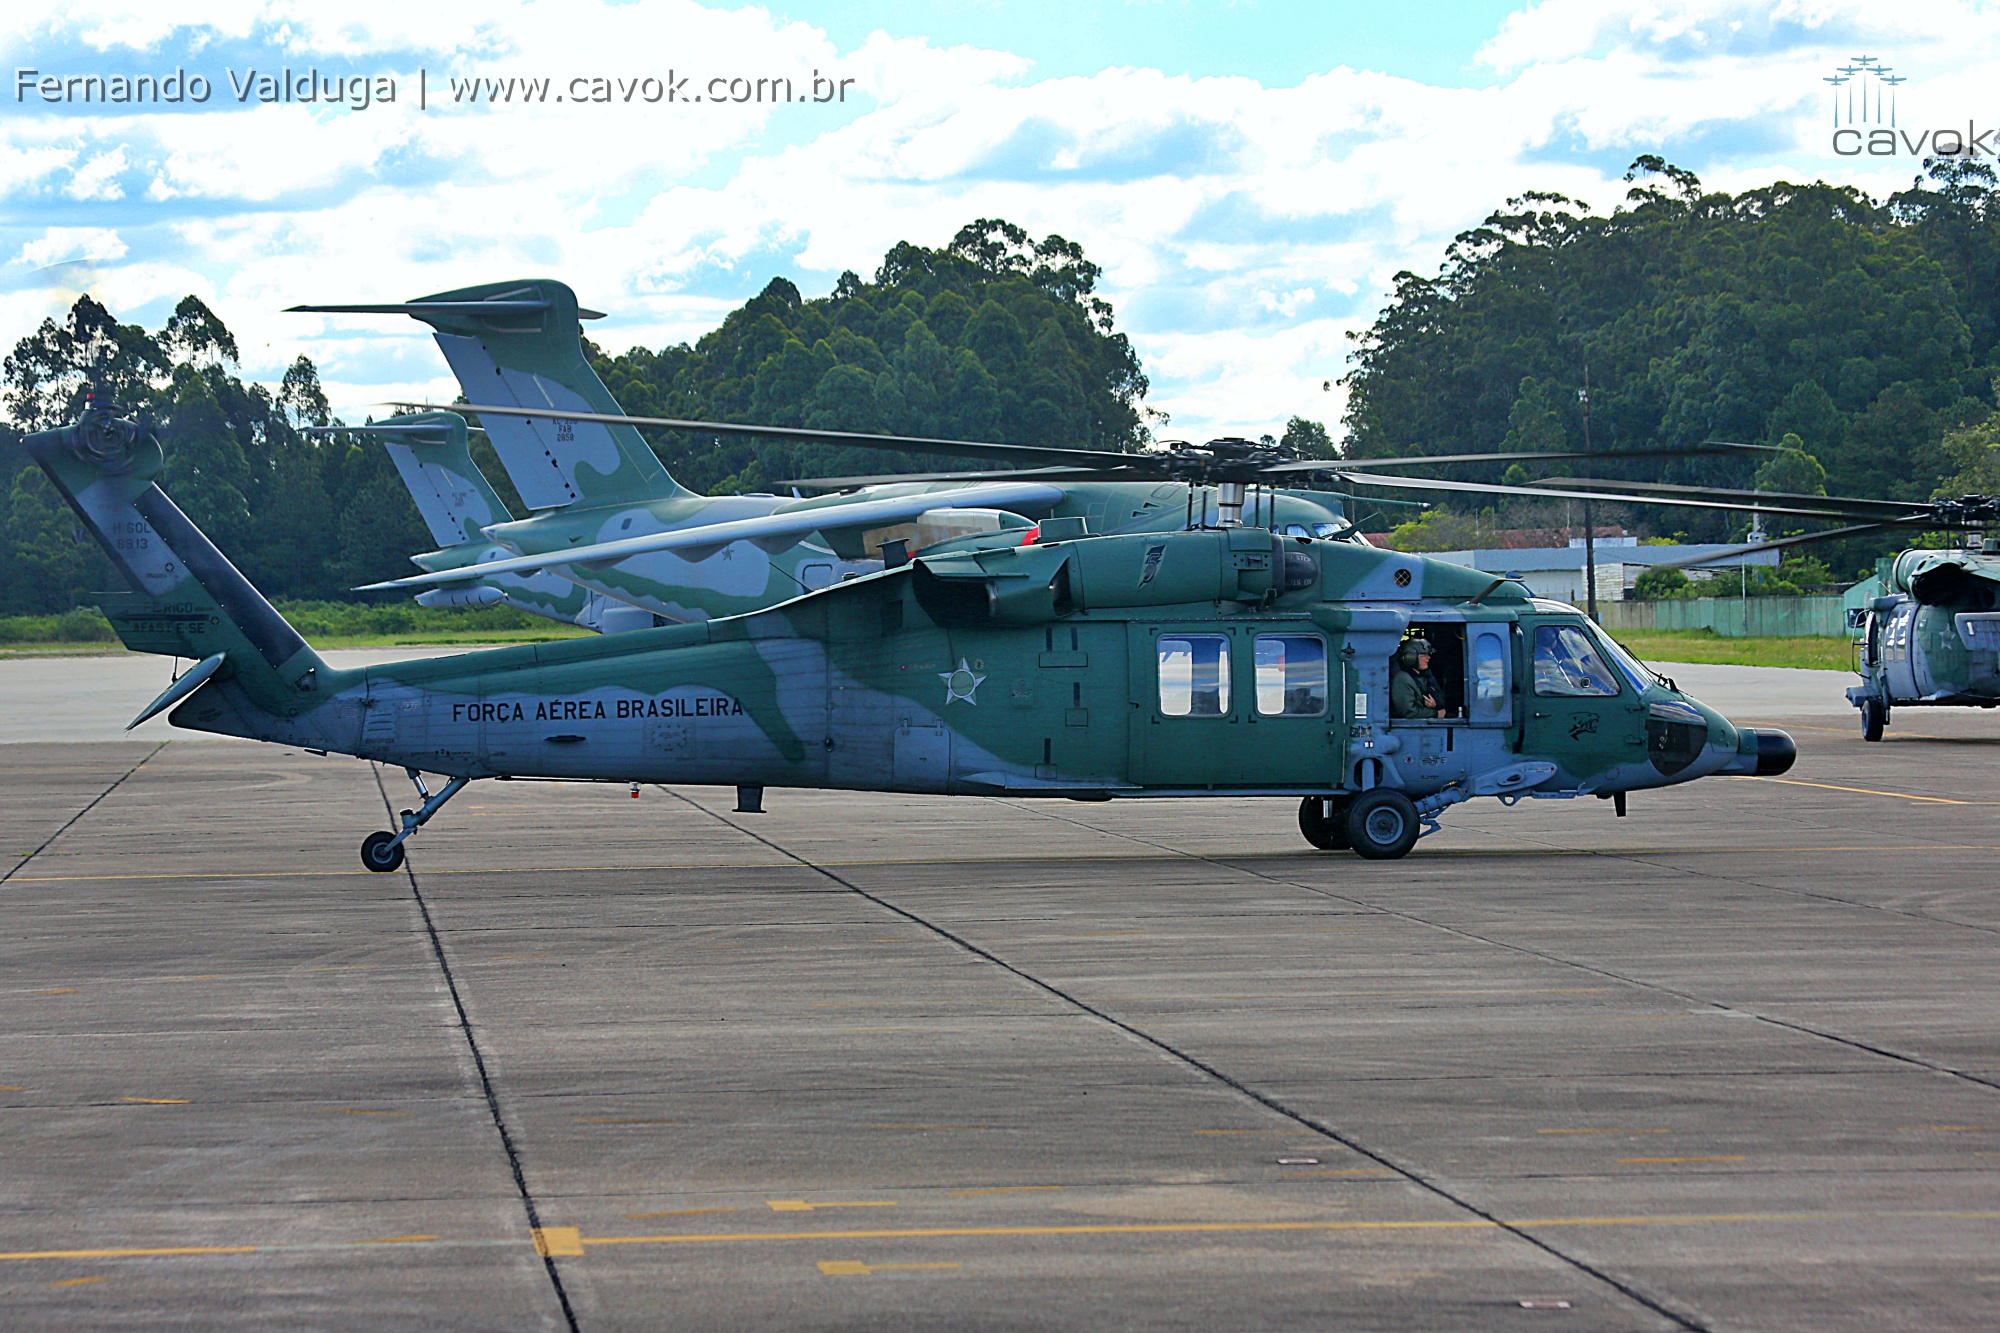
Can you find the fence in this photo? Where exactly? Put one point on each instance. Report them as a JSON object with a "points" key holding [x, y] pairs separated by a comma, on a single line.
{"points": [[1732, 617]]}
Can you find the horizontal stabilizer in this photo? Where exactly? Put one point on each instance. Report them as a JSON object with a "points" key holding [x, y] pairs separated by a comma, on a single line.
{"points": [[419, 309], [708, 538], [191, 680]]}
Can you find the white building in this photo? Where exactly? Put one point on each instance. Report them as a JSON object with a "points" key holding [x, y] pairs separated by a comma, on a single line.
{"points": [[1558, 571]]}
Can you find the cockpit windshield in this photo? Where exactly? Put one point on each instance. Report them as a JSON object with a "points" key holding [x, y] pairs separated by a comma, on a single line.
{"points": [[1628, 666]]}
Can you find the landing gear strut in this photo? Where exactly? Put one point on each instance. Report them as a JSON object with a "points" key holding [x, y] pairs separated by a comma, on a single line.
{"points": [[383, 852]]}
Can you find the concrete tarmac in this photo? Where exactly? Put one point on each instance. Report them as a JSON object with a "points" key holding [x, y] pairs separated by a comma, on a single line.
{"points": [[885, 1063]]}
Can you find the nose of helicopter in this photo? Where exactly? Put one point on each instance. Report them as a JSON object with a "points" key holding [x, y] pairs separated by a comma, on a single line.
{"points": [[1762, 752]]}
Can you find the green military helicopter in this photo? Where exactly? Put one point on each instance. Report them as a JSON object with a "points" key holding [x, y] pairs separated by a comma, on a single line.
{"points": [[1934, 637], [609, 519], [1931, 639], [1211, 661]]}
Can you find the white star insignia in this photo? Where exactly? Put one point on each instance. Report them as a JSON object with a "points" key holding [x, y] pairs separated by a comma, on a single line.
{"points": [[961, 684]]}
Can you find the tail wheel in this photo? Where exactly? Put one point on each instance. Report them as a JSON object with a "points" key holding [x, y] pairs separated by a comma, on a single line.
{"points": [[1874, 717], [381, 852], [1323, 819], [1382, 824]]}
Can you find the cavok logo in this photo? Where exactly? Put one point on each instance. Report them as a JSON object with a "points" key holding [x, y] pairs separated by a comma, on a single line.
{"points": [[1865, 119]]}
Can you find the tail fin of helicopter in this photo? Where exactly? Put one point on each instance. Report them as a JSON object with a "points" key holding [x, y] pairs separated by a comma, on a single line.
{"points": [[520, 344], [184, 598]]}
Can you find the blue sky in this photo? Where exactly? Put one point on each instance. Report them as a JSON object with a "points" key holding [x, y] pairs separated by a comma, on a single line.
{"points": [[1276, 42], [1250, 175]]}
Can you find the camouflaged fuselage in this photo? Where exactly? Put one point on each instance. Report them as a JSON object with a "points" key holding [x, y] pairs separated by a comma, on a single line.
{"points": [[1029, 670]]}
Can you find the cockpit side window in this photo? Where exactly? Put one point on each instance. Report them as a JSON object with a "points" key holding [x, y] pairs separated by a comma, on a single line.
{"points": [[1568, 664]]}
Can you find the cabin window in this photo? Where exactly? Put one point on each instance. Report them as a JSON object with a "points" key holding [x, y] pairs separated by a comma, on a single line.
{"points": [[1194, 675], [1291, 675], [1568, 665], [1489, 672], [816, 576]]}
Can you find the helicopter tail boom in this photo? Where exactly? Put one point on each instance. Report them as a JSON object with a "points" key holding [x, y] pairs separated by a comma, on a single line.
{"points": [[183, 596]]}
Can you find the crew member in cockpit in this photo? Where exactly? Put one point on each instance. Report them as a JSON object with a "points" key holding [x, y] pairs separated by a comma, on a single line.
{"points": [[1413, 690]]}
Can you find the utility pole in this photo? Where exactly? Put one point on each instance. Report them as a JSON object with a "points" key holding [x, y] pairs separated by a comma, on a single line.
{"points": [[1589, 524]]}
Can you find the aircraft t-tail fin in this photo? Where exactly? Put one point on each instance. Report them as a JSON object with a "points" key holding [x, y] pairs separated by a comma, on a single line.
{"points": [[520, 343], [185, 598], [430, 453]]}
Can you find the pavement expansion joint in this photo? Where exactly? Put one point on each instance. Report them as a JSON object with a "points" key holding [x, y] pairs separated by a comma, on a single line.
{"points": [[506, 1137], [1630, 1290], [92, 804]]}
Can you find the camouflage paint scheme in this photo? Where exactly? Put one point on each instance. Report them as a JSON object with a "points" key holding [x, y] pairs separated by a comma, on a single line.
{"points": [[1933, 638], [1028, 670], [592, 482], [458, 504]]}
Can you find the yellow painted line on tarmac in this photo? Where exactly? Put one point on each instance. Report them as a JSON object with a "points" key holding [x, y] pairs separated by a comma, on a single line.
{"points": [[855, 1268], [1602, 1131], [570, 1242], [570, 1236], [801, 1206], [1647, 1161], [156, 1101], [559, 1242], [161, 1252], [64, 990], [1868, 791], [215, 977], [79, 1281], [11, 1087], [677, 1212]]}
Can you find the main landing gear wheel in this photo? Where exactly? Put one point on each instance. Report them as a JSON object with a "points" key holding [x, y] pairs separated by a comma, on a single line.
{"points": [[1323, 819], [1382, 824], [1874, 717], [381, 852]]}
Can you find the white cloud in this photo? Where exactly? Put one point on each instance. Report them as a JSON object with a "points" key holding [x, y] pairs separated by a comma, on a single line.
{"points": [[1244, 231], [59, 245], [97, 178]]}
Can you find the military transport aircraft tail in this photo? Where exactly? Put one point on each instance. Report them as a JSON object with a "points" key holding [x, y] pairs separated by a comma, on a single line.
{"points": [[521, 344], [185, 599], [431, 455], [458, 504]]}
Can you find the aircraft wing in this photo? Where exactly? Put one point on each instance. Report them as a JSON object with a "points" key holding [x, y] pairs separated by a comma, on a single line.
{"points": [[772, 530]]}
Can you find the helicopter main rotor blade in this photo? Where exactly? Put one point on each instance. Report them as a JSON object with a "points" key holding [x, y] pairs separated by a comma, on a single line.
{"points": [[1885, 508], [1706, 447], [902, 478], [1490, 488], [1780, 543], [901, 443]]}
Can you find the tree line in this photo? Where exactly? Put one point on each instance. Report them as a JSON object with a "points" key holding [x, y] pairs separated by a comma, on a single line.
{"points": [[1864, 333], [994, 336]]}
